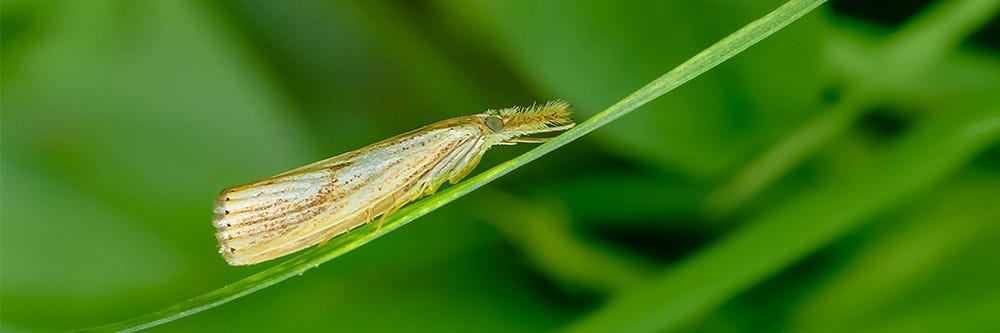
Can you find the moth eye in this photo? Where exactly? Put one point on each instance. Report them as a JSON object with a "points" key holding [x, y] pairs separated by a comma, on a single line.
{"points": [[494, 123]]}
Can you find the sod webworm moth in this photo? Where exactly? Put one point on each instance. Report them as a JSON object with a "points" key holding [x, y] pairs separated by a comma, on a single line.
{"points": [[282, 214]]}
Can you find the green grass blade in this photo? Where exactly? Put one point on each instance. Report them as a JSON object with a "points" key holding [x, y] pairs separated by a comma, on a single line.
{"points": [[700, 63]]}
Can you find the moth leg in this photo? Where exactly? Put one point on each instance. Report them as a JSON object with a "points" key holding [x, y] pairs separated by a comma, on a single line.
{"points": [[331, 236], [369, 214], [381, 220], [323, 242], [396, 205], [334, 235], [525, 140]]}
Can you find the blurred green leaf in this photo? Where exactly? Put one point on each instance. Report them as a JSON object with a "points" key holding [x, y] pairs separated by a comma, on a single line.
{"points": [[903, 58], [644, 198], [795, 229], [541, 230], [902, 257], [119, 124]]}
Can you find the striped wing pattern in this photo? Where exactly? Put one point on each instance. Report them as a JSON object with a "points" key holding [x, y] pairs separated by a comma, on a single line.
{"points": [[302, 207]]}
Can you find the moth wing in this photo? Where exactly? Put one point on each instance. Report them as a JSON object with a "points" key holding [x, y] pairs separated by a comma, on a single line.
{"points": [[248, 217], [375, 192], [285, 213]]}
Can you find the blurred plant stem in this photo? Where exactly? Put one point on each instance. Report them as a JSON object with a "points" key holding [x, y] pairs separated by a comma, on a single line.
{"points": [[541, 230], [903, 257], [906, 54], [795, 229]]}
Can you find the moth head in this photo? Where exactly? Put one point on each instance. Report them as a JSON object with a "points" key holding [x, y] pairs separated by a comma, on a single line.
{"points": [[518, 121], [494, 123]]}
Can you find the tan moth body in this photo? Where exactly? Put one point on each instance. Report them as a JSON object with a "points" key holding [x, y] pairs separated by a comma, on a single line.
{"points": [[278, 215]]}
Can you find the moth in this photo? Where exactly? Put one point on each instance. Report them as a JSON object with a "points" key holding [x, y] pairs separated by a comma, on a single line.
{"points": [[285, 213]]}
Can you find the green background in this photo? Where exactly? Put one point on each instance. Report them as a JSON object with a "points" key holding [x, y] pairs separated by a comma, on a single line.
{"points": [[122, 120]]}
